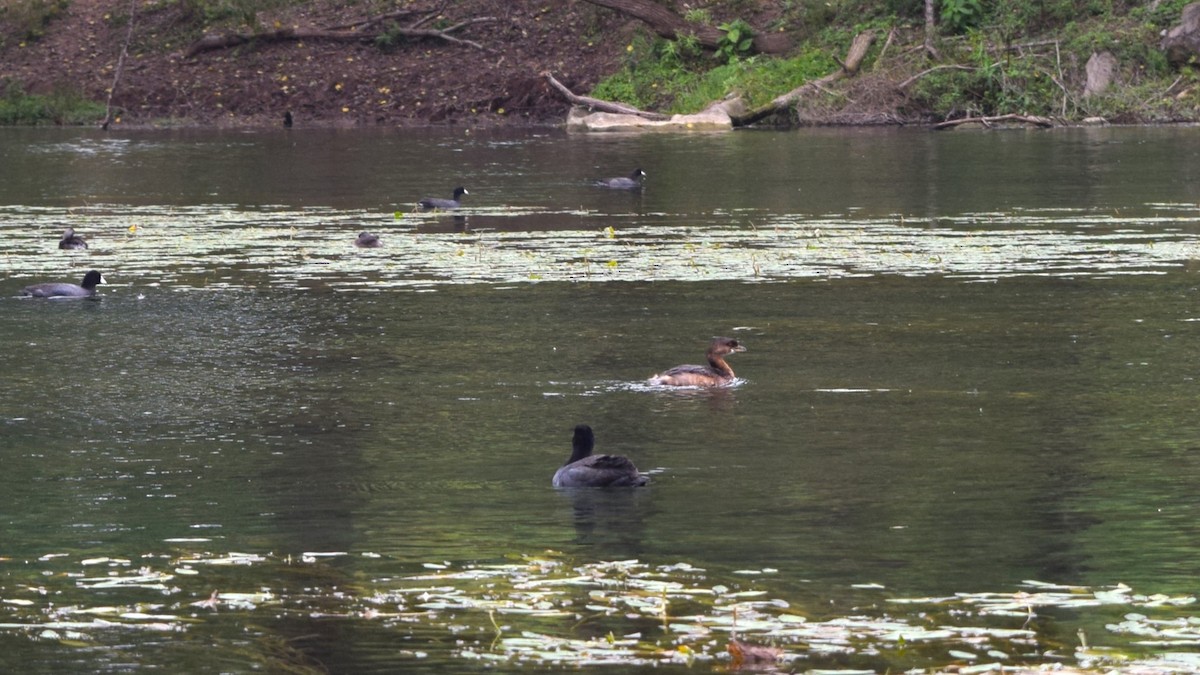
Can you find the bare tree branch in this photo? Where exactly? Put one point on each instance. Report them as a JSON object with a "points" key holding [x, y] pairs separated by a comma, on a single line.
{"points": [[903, 85], [108, 111], [598, 104]]}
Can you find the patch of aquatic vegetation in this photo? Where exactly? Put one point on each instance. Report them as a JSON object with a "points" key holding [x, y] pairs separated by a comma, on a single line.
{"points": [[545, 610], [223, 246]]}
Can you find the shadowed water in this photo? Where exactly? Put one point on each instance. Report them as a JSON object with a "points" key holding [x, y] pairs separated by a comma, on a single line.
{"points": [[970, 365]]}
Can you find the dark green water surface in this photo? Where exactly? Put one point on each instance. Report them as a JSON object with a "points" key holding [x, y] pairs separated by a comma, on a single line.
{"points": [[972, 364]]}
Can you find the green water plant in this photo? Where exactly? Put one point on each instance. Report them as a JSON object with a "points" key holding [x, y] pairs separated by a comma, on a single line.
{"points": [[546, 610]]}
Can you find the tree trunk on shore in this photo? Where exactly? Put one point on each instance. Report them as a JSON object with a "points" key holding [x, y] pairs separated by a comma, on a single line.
{"points": [[930, 29], [670, 25]]}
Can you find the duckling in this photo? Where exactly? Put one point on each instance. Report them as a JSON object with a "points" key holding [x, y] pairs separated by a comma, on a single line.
{"points": [[70, 240]]}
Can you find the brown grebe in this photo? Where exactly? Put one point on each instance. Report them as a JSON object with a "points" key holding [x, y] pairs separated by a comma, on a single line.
{"points": [[715, 374]]}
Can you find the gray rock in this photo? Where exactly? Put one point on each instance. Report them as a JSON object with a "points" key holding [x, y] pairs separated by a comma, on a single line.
{"points": [[1182, 43], [1100, 70]]}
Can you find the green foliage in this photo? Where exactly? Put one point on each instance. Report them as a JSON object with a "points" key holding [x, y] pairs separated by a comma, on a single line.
{"points": [[1161, 14], [997, 84], [736, 43], [1134, 44], [1017, 65], [657, 76], [26, 20], [959, 15], [64, 106], [1022, 18]]}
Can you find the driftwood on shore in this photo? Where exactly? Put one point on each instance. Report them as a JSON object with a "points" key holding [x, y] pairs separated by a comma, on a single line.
{"points": [[597, 104], [366, 30], [725, 114], [781, 104], [1032, 120]]}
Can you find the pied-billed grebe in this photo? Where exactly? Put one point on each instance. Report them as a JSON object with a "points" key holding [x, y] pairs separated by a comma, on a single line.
{"points": [[435, 203], [70, 240], [584, 469], [367, 240], [633, 182], [61, 290], [715, 374]]}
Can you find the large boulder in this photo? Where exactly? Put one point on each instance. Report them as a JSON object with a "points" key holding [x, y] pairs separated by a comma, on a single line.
{"points": [[1182, 43], [1100, 70]]}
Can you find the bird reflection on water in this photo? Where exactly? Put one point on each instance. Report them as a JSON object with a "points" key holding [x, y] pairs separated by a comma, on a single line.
{"points": [[612, 521]]}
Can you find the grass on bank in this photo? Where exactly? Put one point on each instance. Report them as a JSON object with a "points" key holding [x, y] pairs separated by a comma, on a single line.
{"points": [[1027, 56], [62, 107]]}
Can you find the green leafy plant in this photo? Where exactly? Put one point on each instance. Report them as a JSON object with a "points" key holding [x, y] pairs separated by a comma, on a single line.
{"points": [[959, 15], [737, 41]]}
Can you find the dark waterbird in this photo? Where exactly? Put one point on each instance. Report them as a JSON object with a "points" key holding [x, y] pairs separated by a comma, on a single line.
{"points": [[63, 290], [633, 182], [715, 374], [70, 240], [429, 203], [584, 469], [367, 240]]}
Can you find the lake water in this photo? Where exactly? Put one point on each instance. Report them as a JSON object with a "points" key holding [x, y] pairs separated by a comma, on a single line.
{"points": [[965, 430]]}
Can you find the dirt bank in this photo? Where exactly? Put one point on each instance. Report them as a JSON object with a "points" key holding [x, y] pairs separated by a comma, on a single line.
{"points": [[323, 82]]}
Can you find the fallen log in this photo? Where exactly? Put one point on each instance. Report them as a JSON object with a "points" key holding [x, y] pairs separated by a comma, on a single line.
{"points": [[598, 104], [781, 104], [228, 40], [1032, 120]]}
